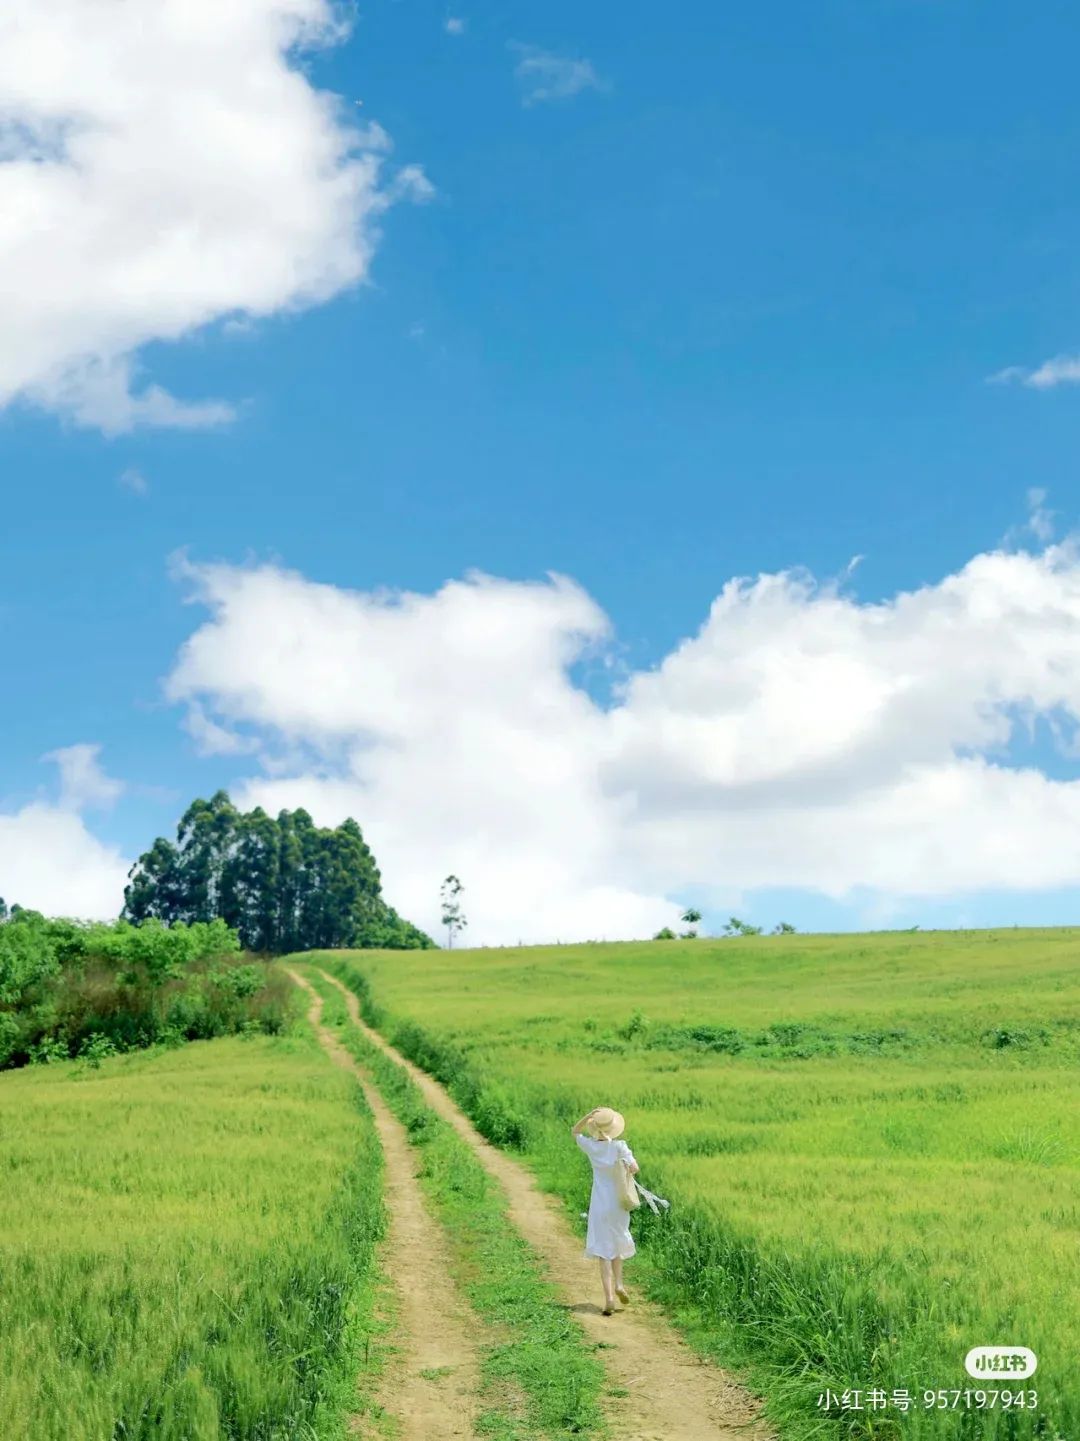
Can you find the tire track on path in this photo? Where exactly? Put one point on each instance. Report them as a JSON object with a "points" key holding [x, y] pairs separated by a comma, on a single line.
{"points": [[434, 1323], [671, 1394]]}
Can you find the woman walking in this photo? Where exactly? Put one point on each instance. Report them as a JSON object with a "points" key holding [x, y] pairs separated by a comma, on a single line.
{"points": [[608, 1237]]}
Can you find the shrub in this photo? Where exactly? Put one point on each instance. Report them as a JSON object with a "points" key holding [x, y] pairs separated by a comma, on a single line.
{"points": [[89, 989], [97, 1048]]}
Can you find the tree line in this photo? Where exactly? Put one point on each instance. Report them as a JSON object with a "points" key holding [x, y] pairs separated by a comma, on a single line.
{"points": [[282, 883]]}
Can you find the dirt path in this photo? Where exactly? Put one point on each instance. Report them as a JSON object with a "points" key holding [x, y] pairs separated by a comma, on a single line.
{"points": [[671, 1394], [434, 1324]]}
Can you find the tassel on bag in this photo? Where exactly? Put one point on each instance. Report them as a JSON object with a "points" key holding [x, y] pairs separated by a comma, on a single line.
{"points": [[654, 1202]]}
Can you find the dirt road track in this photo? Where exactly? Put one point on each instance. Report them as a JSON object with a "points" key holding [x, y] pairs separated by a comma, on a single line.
{"points": [[672, 1395], [434, 1323]]}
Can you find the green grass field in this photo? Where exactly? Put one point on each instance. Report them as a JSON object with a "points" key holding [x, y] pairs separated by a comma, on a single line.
{"points": [[871, 1143], [186, 1244]]}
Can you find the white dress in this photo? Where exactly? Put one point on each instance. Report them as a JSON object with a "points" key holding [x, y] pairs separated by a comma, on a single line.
{"points": [[608, 1232]]}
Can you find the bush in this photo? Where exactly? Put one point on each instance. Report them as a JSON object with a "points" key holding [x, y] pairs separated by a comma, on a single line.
{"points": [[27, 955], [87, 989], [97, 1048], [10, 1032]]}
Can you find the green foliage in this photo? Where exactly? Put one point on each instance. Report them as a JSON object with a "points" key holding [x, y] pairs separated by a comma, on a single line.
{"points": [[28, 955], [735, 927], [48, 1049], [240, 980], [88, 989], [10, 1033], [690, 917], [666, 934], [282, 884], [97, 1048], [637, 1025]]}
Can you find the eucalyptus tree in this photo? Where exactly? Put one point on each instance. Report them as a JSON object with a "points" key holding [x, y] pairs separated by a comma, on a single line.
{"points": [[283, 883]]}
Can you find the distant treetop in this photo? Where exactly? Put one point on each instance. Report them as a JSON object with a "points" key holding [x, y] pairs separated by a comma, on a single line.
{"points": [[284, 884]]}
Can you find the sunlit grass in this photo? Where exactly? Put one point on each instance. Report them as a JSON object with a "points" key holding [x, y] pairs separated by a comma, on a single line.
{"points": [[872, 1143], [186, 1244]]}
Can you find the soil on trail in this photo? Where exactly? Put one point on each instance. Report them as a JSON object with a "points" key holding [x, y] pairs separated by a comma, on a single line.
{"points": [[434, 1324], [671, 1394]]}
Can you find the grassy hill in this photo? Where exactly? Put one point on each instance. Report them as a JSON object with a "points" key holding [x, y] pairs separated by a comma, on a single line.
{"points": [[871, 1143]]}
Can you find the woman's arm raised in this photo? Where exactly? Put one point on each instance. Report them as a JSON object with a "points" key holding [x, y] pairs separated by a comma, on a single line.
{"points": [[580, 1126]]}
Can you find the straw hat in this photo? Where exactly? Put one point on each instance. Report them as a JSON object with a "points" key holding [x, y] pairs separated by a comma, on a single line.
{"points": [[605, 1124]]}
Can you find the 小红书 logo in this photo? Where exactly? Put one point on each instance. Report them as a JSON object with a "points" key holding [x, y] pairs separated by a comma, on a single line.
{"points": [[1015, 1362]]}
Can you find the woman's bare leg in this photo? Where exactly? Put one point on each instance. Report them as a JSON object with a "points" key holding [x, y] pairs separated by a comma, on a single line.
{"points": [[616, 1274], [605, 1277]]}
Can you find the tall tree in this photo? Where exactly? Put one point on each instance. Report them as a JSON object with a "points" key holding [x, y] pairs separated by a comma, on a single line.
{"points": [[284, 884], [452, 918], [155, 887], [206, 833], [250, 880]]}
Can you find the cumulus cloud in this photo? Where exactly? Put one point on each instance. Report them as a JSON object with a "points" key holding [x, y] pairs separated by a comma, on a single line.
{"points": [[544, 76], [212, 739], [165, 166], [800, 738], [83, 783], [1061, 370], [49, 860]]}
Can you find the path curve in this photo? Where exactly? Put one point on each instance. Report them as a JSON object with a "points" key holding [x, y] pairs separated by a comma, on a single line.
{"points": [[433, 1322], [671, 1393]]}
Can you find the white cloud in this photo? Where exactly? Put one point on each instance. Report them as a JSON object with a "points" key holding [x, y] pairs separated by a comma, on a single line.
{"points": [[454, 25], [49, 861], [165, 166], [544, 76], [83, 783], [799, 739], [132, 479], [1061, 370], [212, 739]]}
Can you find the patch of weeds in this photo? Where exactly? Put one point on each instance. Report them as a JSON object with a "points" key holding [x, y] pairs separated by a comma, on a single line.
{"points": [[636, 1026], [1033, 1148], [708, 1143], [1021, 1038]]}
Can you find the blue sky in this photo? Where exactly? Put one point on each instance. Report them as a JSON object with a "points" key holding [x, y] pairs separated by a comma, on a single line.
{"points": [[681, 298]]}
